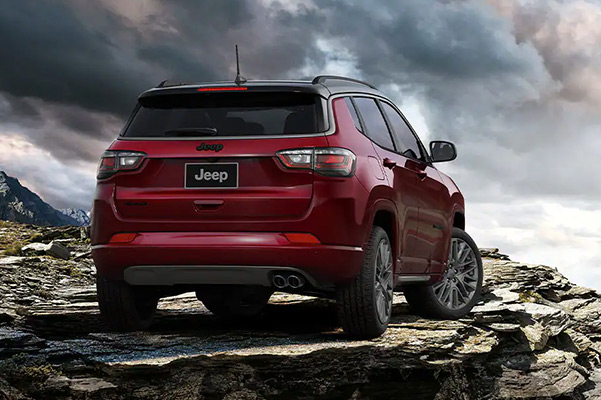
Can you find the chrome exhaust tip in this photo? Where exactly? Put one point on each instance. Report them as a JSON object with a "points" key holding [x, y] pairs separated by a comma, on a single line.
{"points": [[279, 281], [296, 281]]}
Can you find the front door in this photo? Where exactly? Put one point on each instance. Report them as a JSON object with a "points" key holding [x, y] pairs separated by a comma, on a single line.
{"points": [[433, 223]]}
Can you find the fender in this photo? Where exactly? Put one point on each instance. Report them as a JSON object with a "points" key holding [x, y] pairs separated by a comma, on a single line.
{"points": [[378, 202], [379, 205], [384, 204], [457, 207]]}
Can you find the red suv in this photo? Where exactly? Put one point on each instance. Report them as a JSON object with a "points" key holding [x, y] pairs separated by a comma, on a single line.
{"points": [[319, 187]]}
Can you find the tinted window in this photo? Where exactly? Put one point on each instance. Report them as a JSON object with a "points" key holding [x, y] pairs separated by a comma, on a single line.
{"points": [[227, 114], [375, 125], [351, 107], [406, 138]]}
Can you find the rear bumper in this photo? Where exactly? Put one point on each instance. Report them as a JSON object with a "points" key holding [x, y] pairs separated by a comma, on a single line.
{"points": [[169, 275], [194, 257]]}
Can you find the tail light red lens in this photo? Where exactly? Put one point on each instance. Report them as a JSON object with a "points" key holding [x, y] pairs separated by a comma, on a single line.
{"points": [[112, 162], [334, 161], [328, 161]]}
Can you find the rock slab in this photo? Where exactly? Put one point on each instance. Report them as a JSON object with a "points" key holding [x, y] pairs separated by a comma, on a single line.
{"points": [[54, 249], [534, 335]]}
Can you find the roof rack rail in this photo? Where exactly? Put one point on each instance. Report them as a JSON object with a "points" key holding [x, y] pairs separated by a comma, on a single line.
{"points": [[323, 78]]}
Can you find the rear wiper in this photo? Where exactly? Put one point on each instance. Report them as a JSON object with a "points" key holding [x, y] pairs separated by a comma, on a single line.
{"points": [[191, 131]]}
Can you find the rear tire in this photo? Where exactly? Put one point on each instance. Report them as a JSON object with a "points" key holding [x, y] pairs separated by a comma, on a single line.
{"points": [[459, 290], [124, 307], [235, 302], [365, 305]]}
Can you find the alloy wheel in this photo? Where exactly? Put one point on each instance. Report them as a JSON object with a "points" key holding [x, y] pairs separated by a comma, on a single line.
{"points": [[384, 281], [460, 281]]}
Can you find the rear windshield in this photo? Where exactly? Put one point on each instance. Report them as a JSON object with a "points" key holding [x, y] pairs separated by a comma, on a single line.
{"points": [[227, 114]]}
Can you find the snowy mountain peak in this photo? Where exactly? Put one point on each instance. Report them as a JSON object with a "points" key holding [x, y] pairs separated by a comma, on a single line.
{"points": [[19, 204], [81, 216]]}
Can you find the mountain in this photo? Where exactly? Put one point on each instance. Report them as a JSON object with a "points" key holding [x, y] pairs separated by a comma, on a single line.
{"points": [[81, 216], [19, 204]]}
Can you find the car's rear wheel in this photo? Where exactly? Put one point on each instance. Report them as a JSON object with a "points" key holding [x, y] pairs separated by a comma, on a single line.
{"points": [[365, 305], [124, 307], [459, 289], [235, 301]]}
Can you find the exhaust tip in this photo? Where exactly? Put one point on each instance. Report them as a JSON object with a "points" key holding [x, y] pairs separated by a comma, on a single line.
{"points": [[279, 281], [295, 281]]}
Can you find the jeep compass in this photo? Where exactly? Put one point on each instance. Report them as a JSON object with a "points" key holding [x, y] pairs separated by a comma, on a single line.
{"points": [[237, 190]]}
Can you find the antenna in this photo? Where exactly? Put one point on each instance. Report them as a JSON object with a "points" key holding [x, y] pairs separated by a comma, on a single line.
{"points": [[239, 78]]}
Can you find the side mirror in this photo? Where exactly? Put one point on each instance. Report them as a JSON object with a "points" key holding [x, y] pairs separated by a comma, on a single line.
{"points": [[442, 151]]}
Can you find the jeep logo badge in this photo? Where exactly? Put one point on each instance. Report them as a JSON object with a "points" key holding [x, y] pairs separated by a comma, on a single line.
{"points": [[217, 147]]}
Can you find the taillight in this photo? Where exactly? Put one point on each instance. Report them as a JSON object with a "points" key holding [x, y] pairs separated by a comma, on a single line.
{"points": [[328, 161], [112, 162], [301, 158]]}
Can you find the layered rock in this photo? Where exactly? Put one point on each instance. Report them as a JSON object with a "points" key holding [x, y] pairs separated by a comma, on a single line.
{"points": [[533, 335]]}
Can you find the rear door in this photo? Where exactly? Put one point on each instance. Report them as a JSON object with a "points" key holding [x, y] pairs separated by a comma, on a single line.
{"points": [[402, 180], [211, 157], [429, 191]]}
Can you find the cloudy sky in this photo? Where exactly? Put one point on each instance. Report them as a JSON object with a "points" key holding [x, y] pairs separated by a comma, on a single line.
{"points": [[515, 83]]}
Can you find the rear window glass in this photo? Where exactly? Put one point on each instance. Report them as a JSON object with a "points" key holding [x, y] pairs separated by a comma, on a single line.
{"points": [[227, 114], [353, 111]]}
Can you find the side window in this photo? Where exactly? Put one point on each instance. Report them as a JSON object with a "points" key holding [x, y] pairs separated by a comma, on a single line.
{"points": [[353, 110], [406, 138], [374, 121]]}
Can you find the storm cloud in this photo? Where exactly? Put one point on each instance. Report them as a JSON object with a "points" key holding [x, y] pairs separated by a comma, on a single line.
{"points": [[515, 83]]}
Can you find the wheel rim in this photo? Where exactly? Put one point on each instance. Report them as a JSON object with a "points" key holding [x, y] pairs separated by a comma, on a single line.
{"points": [[460, 281], [384, 281]]}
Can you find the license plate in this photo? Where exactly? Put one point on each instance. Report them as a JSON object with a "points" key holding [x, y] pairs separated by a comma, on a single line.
{"points": [[211, 176]]}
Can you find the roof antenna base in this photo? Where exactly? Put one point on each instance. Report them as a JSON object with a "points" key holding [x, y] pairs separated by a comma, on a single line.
{"points": [[239, 78]]}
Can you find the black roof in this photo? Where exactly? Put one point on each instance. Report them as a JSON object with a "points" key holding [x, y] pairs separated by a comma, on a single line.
{"points": [[323, 85]]}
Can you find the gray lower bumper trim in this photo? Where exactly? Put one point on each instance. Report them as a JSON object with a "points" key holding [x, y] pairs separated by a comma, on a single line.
{"points": [[168, 275], [414, 278]]}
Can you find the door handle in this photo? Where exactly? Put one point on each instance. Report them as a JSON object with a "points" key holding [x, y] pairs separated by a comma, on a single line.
{"points": [[421, 174], [388, 163], [208, 205]]}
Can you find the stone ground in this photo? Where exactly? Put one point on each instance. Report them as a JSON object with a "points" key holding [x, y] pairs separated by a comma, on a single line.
{"points": [[534, 335]]}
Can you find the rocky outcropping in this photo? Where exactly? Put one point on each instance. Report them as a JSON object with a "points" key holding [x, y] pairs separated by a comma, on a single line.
{"points": [[534, 335]]}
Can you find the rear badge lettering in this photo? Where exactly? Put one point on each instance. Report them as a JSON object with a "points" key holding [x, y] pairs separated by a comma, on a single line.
{"points": [[216, 147], [211, 176]]}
